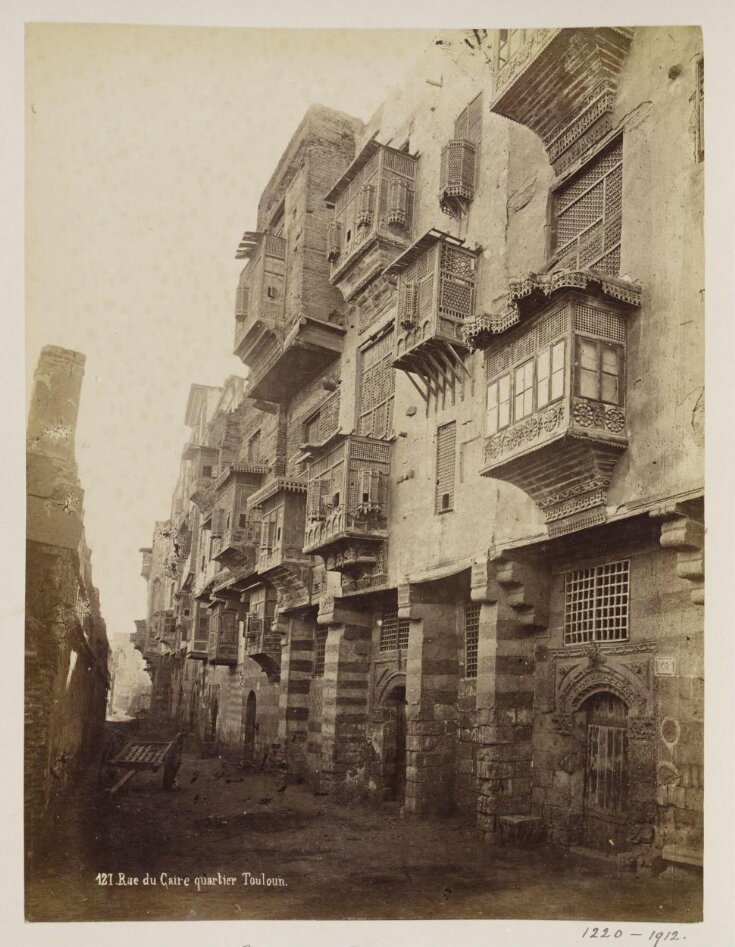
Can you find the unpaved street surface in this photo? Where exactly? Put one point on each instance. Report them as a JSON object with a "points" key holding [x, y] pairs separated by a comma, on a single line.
{"points": [[325, 861]]}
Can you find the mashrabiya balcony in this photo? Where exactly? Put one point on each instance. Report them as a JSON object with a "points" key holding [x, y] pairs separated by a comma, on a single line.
{"points": [[283, 350], [347, 502], [237, 529], [222, 646], [561, 83], [373, 205], [436, 297]]}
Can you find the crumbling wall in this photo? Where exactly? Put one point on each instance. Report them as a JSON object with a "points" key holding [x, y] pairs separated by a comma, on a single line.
{"points": [[66, 653]]}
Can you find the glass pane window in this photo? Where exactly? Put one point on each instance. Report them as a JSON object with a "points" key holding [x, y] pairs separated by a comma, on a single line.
{"points": [[498, 405], [523, 379], [610, 373], [588, 377], [557, 370], [598, 371], [543, 371]]}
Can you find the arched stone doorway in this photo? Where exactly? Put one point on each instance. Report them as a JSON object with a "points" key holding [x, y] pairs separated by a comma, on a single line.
{"points": [[249, 728], [394, 743], [603, 725]]}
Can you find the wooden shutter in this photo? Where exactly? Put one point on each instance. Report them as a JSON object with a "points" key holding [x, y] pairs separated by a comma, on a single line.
{"points": [[446, 451]]}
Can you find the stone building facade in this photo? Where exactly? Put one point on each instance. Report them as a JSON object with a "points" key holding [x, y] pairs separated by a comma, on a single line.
{"points": [[467, 469], [66, 647]]}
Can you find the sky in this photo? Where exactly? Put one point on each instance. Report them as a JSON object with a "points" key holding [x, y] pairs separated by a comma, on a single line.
{"points": [[147, 149]]}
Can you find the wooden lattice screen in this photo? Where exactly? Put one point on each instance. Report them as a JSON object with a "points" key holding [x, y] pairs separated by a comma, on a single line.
{"points": [[377, 384], [588, 214]]}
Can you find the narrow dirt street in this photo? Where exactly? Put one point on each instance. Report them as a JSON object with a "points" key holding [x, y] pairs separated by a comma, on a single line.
{"points": [[309, 857]]}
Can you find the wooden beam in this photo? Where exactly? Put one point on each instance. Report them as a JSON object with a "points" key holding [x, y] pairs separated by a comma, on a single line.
{"points": [[409, 375]]}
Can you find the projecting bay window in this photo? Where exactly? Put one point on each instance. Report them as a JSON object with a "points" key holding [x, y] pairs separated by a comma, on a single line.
{"points": [[598, 371]]}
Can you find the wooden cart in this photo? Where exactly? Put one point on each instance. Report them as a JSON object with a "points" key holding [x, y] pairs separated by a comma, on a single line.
{"points": [[151, 755]]}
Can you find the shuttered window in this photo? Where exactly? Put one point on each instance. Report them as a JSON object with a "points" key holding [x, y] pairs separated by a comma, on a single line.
{"points": [[446, 453], [587, 214], [468, 125], [377, 384]]}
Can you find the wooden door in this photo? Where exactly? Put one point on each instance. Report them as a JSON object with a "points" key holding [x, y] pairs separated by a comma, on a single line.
{"points": [[606, 773]]}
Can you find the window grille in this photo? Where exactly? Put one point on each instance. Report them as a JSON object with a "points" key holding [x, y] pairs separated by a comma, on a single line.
{"points": [[446, 451], [471, 638], [596, 603], [320, 653], [587, 211], [394, 632], [377, 385]]}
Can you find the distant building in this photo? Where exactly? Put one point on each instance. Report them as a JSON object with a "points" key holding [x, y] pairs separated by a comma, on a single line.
{"points": [[447, 550], [130, 686]]}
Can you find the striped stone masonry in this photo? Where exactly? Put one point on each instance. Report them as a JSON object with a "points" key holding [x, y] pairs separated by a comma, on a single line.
{"points": [[514, 602], [345, 691], [431, 699], [297, 667]]}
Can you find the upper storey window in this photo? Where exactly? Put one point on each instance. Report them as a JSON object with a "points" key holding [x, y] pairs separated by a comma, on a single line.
{"points": [[587, 215], [377, 383]]}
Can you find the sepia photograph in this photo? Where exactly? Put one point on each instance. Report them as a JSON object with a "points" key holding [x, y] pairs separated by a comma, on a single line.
{"points": [[365, 531]]}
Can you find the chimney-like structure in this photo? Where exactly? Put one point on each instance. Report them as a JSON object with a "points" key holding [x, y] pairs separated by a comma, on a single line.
{"points": [[54, 513]]}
